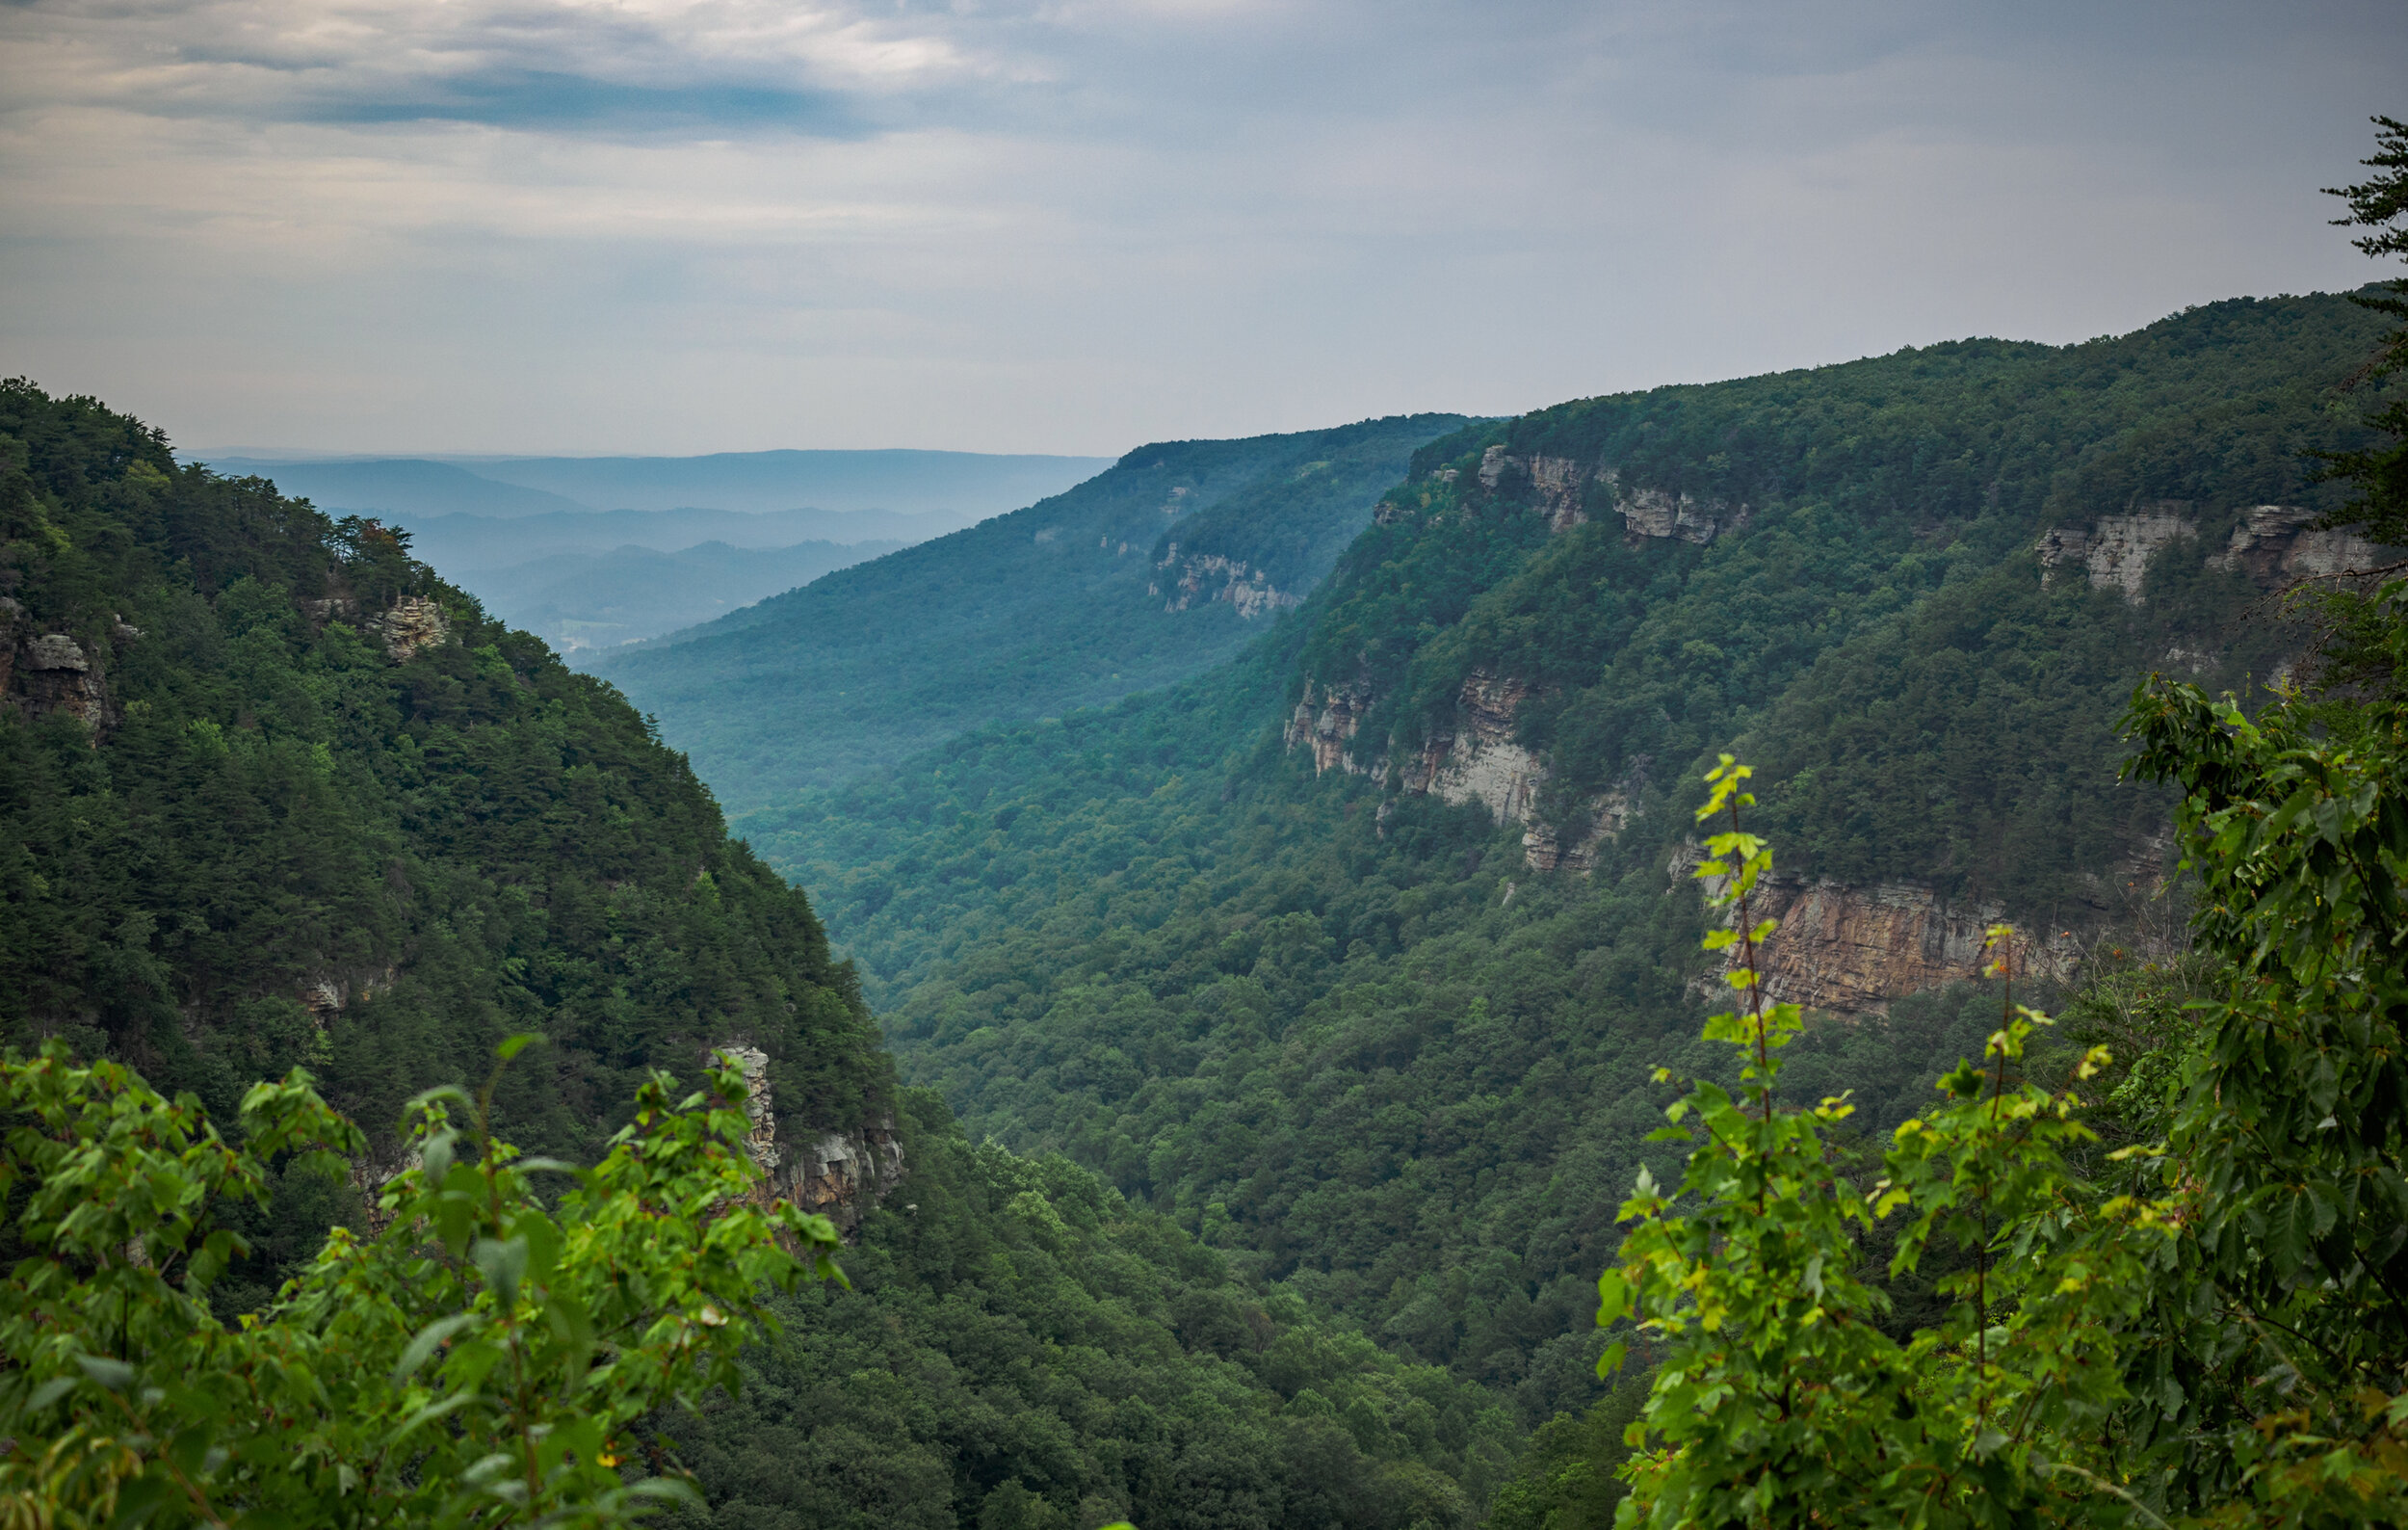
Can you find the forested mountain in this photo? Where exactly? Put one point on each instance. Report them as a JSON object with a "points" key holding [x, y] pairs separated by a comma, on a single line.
{"points": [[959, 487], [274, 794], [1142, 575], [578, 600], [271, 794], [1356, 957]]}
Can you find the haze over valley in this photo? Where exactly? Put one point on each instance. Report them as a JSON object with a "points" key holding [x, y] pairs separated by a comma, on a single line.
{"points": [[1204, 767]]}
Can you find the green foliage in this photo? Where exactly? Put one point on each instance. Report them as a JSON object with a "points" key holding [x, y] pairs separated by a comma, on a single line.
{"points": [[483, 1359], [280, 842], [1778, 1396], [1022, 1346], [2283, 1354], [2212, 1333], [1566, 1479], [1061, 605], [1849, 498], [2380, 202]]}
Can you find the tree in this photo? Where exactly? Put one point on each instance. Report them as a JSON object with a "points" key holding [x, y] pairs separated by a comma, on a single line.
{"points": [[1778, 1398], [485, 1359], [2380, 203]]}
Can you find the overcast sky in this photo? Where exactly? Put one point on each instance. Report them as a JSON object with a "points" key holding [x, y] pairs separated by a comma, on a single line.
{"points": [[1071, 226]]}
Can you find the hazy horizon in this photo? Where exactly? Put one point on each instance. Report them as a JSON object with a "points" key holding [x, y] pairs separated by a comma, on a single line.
{"points": [[664, 230]]}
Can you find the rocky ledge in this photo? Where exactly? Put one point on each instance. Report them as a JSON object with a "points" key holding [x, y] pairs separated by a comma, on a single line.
{"points": [[1850, 950], [842, 1176]]}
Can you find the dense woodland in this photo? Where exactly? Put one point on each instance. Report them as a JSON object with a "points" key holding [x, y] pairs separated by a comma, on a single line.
{"points": [[1061, 605], [1299, 1013], [1282, 1148]]}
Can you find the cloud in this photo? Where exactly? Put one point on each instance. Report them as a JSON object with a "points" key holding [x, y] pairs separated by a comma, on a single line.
{"points": [[509, 224]]}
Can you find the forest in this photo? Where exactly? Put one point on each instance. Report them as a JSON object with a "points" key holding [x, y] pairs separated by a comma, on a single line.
{"points": [[1071, 602], [423, 1110]]}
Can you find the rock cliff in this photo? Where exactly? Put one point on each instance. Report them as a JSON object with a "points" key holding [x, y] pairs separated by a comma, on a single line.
{"points": [[1329, 730], [2276, 543], [1209, 576], [413, 622], [41, 672], [1851, 950], [1561, 487], [842, 1176], [1480, 761], [2273, 544]]}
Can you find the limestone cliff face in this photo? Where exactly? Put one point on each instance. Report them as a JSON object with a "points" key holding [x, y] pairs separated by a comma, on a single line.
{"points": [[41, 672], [842, 1176], [1328, 729], [1657, 513], [1481, 762], [1205, 577], [413, 622], [2117, 552], [2274, 544], [1566, 489], [1851, 950]]}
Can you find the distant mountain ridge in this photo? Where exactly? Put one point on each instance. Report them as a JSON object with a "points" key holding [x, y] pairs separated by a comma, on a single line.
{"points": [[469, 542], [962, 487], [1358, 954], [580, 575], [581, 602], [1075, 600]]}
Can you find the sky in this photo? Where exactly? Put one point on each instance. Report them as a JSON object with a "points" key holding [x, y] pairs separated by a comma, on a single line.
{"points": [[1074, 226]]}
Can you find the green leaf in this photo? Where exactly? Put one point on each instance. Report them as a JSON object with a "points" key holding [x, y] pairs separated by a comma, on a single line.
{"points": [[114, 1375], [138, 1500], [49, 1392], [669, 1489], [425, 1343], [1613, 1298], [516, 1044], [503, 1261]]}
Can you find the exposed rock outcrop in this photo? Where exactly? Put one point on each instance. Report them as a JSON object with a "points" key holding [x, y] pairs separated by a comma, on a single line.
{"points": [[842, 1176], [1575, 847], [1562, 486], [413, 622], [1210, 577], [2274, 544], [1851, 950], [330, 993], [1329, 729], [41, 672], [2119, 551], [1481, 762], [1660, 512]]}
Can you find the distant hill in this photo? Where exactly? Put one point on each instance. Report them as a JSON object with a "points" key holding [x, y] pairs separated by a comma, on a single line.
{"points": [[1075, 600], [588, 601], [959, 487], [400, 489], [1358, 956], [467, 542], [969, 486]]}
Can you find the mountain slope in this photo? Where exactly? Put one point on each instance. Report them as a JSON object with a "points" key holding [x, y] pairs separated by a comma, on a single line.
{"points": [[963, 487], [1357, 957], [1069, 602], [593, 600], [271, 793]]}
